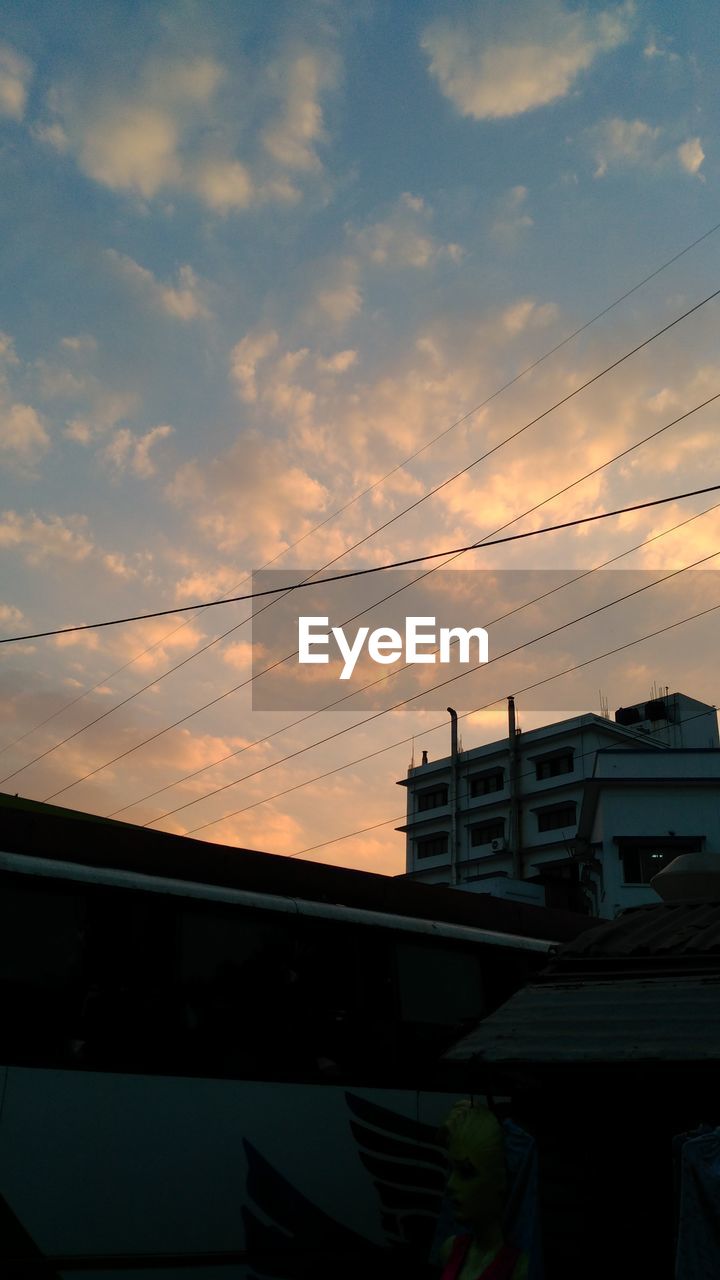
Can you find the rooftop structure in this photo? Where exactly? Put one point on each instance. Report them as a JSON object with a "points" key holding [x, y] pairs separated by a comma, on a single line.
{"points": [[580, 814]]}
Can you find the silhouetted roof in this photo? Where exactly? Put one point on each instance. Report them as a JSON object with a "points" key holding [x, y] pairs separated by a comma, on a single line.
{"points": [[42, 830], [642, 988], [656, 1020]]}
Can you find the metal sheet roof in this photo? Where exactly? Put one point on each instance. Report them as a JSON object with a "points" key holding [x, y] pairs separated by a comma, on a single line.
{"points": [[660, 930], [671, 1020]]}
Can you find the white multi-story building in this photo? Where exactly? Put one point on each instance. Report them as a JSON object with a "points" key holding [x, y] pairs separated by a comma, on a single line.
{"points": [[579, 814]]}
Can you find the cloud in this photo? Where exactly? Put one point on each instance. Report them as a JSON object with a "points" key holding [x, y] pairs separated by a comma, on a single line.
{"points": [[10, 615], [254, 491], [402, 239], [526, 313], [518, 56], [57, 537], [619, 143], [182, 301], [625, 142], [691, 155], [340, 362], [79, 343], [178, 127], [128, 452], [336, 296], [512, 217], [300, 79], [7, 349], [23, 438], [245, 357], [15, 76], [98, 406]]}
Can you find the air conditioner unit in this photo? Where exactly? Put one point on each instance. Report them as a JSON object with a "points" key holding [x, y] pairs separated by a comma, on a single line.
{"points": [[497, 846]]}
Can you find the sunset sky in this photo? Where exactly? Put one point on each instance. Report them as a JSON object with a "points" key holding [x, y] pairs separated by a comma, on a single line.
{"points": [[254, 257]]}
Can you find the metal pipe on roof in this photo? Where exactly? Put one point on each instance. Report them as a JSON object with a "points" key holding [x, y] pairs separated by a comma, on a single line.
{"points": [[514, 786], [454, 851]]}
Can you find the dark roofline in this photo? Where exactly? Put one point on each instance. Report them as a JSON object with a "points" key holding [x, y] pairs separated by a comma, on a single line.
{"points": [[643, 751], [42, 830]]}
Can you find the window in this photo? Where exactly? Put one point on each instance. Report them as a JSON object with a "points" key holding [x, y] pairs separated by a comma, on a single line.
{"points": [[435, 846], [484, 784], [84, 980], [562, 815], [642, 859], [486, 832], [238, 976], [555, 765], [431, 797]]}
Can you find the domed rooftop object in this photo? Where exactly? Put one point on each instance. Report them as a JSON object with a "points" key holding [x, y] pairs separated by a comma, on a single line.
{"points": [[692, 877]]}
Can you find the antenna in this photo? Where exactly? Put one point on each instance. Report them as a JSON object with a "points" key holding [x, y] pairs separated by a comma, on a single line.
{"points": [[604, 706]]}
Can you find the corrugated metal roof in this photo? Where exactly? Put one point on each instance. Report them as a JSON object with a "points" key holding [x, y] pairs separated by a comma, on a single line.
{"points": [[675, 1020], [661, 930]]}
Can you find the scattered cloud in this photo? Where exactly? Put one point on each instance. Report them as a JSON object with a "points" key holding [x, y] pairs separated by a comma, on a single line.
{"points": [[655, 50], [340, 362], [245, 357], [15, 76], [625, 142], [10, 615], [178, 125], [7, 349], [336, 296], [505, 60], [299, 79], [55, 537], [512, 217], [128, 452], [181, 301], [691, 155], [402, 239], [79, 343], [619, 143], [253, 491], [23, 438], [526, 313]]}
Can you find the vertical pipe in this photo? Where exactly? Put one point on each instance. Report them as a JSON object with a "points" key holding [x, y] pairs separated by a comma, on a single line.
{"points": [[514, 783], [454, 832]]}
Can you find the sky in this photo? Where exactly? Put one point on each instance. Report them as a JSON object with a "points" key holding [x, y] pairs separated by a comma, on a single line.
{"points": [[255, 259]]}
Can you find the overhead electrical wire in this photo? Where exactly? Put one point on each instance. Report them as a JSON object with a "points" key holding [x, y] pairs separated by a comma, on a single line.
{"points": [[362, 493], [382, 568], [386, 822], [558, 675], [390, 675], [413, 506], [464, 470], [404, 702], [235, 688]]}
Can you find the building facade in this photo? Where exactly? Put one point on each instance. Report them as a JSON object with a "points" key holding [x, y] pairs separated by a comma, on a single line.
{"points": [[579, 814]]}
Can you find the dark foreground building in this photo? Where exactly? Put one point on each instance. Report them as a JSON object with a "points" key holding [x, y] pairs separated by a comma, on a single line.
{"points": [[215, 1058], [608, 1057]]}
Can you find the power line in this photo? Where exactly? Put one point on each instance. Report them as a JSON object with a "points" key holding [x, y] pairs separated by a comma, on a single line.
{"points": [[348, 835], [442, 684], [558, 675], [243, 683], [378, 568], [390, 675], [514, 435], [362, 493]]}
